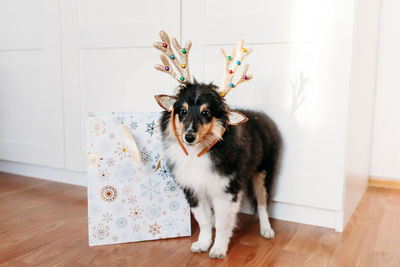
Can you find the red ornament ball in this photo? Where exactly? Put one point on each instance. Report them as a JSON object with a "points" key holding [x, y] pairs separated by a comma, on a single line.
{"points": [[164, 45]]}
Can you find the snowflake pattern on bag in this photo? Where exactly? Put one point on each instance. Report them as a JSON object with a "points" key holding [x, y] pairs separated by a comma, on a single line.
{"points": [[126, 204]]}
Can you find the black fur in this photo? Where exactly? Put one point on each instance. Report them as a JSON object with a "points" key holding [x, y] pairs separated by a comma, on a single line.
{"points": [[244, 151], [190, 197]]}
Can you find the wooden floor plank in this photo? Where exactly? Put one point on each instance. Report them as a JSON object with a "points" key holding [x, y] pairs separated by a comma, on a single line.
{"points": [[44, 223]]}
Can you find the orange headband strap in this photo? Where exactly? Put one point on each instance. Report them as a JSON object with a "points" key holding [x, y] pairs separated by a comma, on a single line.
{"points": [[174, 130], [213, 143]]}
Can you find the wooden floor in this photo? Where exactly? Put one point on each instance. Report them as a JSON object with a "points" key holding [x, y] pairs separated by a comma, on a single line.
{"points": [[45, 224]]}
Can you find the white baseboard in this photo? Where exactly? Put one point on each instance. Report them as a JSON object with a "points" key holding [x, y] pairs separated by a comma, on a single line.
{"points": [[278, 210], [301, 214], [47, 173], [307, 215]]}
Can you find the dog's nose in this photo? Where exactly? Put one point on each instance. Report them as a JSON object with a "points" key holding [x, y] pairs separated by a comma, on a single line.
{"points": [[190, 137]]}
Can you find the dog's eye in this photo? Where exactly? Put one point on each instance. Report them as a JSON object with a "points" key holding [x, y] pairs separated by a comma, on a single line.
{"points": [[205, 113], [183, 111]]}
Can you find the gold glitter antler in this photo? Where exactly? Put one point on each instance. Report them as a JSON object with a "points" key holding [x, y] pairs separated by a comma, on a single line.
{"points": [[238, 54], [168, 57]]}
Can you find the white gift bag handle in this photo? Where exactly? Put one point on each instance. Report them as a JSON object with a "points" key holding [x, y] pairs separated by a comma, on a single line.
{"points": [[133, 148]]}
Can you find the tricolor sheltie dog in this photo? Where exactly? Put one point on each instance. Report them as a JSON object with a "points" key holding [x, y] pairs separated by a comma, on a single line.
{"points": [[243, 163]]}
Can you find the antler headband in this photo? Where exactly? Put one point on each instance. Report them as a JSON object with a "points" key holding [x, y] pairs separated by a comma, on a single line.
{"points": [[231, 66], [236, 58], [168, 56]]}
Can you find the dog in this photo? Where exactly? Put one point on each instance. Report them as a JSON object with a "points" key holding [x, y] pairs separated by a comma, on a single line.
{"points": [[244, 162]]}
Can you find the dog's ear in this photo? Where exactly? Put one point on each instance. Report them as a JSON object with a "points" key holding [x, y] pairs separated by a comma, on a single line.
{"points": [[236, 118], [166, 101]]}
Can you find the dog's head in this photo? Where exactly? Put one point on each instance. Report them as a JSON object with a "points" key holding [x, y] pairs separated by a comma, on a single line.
{"points": [[200, 113]]}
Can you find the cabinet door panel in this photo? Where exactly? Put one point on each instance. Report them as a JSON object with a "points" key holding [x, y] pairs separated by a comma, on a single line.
{"points": [[31, 105]]}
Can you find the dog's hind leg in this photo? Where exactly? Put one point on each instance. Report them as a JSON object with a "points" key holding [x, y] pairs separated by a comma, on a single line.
{"points": [[260, 193]]}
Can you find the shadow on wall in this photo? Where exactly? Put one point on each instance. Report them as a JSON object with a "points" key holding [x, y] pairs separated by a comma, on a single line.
{"points": [[298, 94]]}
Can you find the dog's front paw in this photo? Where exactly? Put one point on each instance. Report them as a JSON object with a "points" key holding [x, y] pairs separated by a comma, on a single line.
{"points": [[268, 233], [217, 252], [199, 247]]}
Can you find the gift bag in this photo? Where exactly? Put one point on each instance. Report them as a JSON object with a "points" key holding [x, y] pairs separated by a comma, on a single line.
{"points": [[131, 193]]}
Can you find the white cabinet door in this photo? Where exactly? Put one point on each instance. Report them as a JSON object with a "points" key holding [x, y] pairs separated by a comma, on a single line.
{"points": [[108, 61], [31, 106], [301, 65]]}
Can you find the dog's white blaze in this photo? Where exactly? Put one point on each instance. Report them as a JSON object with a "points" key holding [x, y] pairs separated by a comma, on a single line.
{"points": [[190, 127]]}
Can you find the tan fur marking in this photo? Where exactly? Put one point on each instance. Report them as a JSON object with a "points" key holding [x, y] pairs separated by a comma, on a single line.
{"points": [[214, 132], [203, 107], [204, 129], [259, 189], [181, 127], [186, 106]]}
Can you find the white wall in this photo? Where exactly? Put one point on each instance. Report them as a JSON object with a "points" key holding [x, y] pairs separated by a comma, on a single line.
{"points": [[385, 161]]}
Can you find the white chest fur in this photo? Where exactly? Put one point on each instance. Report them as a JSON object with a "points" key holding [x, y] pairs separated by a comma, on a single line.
{"points": [[196, 173]]}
